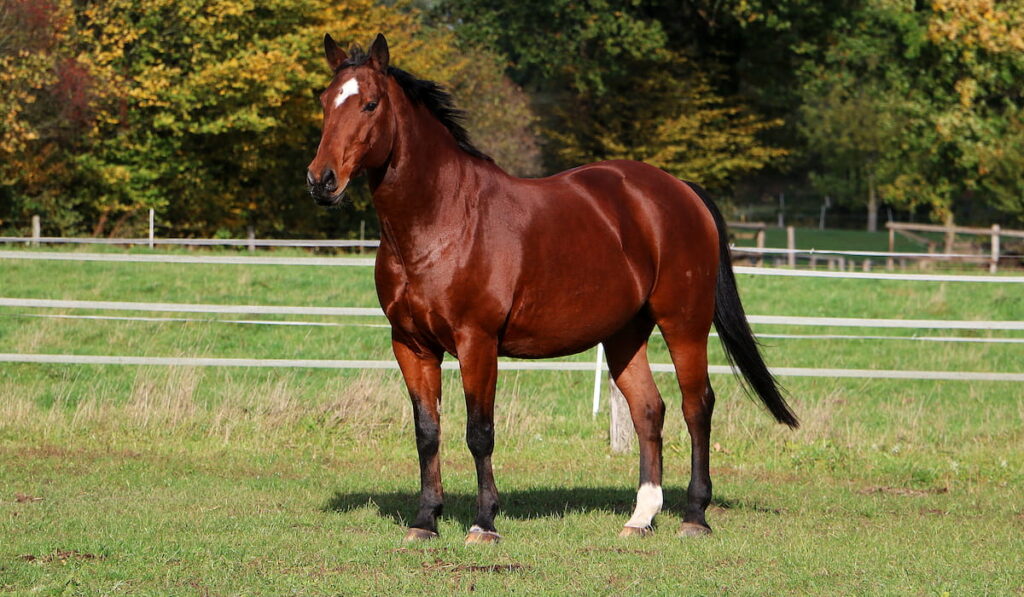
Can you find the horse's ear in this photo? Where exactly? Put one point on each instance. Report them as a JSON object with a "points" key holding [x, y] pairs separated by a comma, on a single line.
{"points": [[379, 54], [335, 55]]}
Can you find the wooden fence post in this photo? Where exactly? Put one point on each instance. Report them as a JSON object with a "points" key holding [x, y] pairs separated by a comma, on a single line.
{"points": [[36, 231], [251, 234], [791, 245], [890, 262], [620, 429], [760, 245], [994, 265], [151, 216]]}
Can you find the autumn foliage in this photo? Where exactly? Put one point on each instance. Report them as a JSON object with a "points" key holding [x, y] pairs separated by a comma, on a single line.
{"points": [[202, 110]]}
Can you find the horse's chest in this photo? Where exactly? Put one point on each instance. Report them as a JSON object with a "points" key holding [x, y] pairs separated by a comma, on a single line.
{"points": [[416, 309]]}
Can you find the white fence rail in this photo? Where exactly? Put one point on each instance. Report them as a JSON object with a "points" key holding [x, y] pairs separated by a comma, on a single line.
{"points": [[503, 365], [366, 262], [597, 367], [191, 242], [293, 323], [935, 324]]}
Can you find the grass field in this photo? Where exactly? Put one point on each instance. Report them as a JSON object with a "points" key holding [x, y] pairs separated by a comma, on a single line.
{"points": [[219, 481]]}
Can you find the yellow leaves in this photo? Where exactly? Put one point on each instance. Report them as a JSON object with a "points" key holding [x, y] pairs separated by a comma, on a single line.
{"points": [[966, 89], [978, 23]]}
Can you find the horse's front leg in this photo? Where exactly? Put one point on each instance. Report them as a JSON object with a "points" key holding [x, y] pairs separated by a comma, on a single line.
{"points": [[422, 372], [478, 362]]}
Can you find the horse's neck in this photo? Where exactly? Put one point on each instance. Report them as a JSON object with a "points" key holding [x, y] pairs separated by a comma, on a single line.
{"points": [[428, 194]]}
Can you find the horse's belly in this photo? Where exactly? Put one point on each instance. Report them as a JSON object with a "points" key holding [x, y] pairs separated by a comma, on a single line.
{"points": [[555, 324]]}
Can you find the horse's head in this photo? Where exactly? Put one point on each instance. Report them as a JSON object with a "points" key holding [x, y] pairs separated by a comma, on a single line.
{"points": [[358, 124]]}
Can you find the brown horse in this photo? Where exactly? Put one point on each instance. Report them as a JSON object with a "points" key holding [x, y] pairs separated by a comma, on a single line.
{"points": [[480, 264]]}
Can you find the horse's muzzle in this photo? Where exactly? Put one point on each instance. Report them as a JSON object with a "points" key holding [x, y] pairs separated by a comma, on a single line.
{"points": [[325, 198]]}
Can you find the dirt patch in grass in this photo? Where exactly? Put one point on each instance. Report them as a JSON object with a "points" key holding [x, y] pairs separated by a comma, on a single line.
{"points": [[61, 555], [23, 498], [903, 491]]}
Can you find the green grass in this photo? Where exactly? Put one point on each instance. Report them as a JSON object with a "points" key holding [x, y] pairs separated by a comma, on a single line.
{"points": [[157, 481], [833, 239]]}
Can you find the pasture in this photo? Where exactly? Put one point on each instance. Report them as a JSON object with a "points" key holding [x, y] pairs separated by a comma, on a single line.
{"points": [[219, 481]]}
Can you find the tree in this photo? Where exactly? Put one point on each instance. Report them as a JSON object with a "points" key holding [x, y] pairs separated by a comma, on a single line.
{"points": [[44, 110], [612, 83], [203, 110], [914, 105]]}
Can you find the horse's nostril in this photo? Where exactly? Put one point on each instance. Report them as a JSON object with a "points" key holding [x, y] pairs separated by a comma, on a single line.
{"points": [[310, 180], [329, 180]]}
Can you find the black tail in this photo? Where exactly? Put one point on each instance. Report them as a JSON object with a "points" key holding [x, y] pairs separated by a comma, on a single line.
{"points": [[741, 348]]}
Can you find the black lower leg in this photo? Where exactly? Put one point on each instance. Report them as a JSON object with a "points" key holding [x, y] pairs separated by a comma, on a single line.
{"points": [[649, 436], [428, 442], [480, 438], [698, 494]]}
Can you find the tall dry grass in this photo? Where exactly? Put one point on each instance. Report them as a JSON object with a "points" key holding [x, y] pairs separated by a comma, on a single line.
{"points": [[171, 401]]}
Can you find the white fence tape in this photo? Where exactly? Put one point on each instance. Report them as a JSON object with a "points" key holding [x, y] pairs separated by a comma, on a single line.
{"points": [[504, 365], [271, 322], [364, 262], [193, 308], [195, 259], [314, 243], [827, 252], [934, 324], [194, 242], [807, 273]]}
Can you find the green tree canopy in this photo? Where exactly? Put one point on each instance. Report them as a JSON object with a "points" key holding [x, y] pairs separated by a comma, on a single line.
{"points": [[922, 105], [612, 82]]}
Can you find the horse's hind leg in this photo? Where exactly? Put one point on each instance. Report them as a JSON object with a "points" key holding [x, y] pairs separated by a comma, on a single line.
{"points": [[690, 358], [627, 360]]}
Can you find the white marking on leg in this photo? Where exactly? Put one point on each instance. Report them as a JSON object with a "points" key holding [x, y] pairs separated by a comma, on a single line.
{"points": [[648, 503], [348, 89]]}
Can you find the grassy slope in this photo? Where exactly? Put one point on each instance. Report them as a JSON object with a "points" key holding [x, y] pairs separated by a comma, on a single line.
{"points": [[229, 481]]}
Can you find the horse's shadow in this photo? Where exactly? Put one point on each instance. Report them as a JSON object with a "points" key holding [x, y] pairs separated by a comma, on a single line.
{"points": [[399, 506]]}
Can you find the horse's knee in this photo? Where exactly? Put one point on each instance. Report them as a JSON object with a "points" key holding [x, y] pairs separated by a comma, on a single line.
{"points": [[428, 430], [480, 437]]}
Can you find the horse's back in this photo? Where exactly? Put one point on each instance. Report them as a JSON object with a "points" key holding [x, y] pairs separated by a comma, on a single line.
{"points": [[599, 241]]}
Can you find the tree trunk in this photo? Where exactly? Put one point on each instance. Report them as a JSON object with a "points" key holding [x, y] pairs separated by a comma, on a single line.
{"points": [[948, 222], [119, 223], [97, 230]]}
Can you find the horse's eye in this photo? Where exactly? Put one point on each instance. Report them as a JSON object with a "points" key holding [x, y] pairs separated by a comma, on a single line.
{"points": [[370, 107]]}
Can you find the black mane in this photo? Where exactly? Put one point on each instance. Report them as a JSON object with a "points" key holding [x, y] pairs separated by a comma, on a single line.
{"points": [[429, 94]]}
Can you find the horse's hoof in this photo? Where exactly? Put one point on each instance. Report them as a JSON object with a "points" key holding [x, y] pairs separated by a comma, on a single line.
{"points": [[636, 532], [478, 535], [693, 529], [414, 534]]}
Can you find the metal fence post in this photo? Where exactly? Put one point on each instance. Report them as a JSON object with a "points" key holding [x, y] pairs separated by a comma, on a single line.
{"points": [[597, 378]]}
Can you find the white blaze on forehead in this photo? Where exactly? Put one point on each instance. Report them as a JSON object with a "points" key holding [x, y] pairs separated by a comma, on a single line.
{"points": [[348, 89], [648, 503]]}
